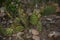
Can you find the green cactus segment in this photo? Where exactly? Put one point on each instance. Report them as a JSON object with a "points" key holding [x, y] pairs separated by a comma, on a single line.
{"points": [[34, 19], [39, 26], [9, 31]]}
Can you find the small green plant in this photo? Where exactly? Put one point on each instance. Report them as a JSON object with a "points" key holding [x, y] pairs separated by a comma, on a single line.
{"points": [[1, 29], [12, 7], [8, 32], [19, 29], [48, 10]]}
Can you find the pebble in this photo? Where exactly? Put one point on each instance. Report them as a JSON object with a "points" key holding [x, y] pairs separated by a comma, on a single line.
{"points": [[35, 32], [36, 37]]}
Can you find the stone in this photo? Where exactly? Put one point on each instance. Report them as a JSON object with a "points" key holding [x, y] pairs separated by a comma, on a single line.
{"points": [[36, 37], [35, 32]]}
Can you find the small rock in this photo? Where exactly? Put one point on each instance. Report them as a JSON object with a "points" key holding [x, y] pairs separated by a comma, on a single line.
{"points": [[36, 37], [58, 17], [35, 32], [30, 30], [20, 33], [49, 19]]}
